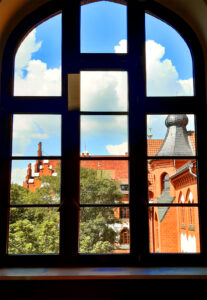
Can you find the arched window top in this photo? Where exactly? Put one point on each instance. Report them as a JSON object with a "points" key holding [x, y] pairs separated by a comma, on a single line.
{"points": [[169, 65], [165, 182], [74, 62], [181, 197], [37, 66], [190, 197]]}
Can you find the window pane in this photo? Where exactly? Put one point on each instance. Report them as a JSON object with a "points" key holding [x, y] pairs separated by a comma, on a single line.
{"points": [[104, 91], [104, 135], [171, 135], [35, 182], [182, 181], [102, 181], [33, 230], [169, 66], [36, 135], [168, 232], [37, 68], [103, 28], [102, 231]]}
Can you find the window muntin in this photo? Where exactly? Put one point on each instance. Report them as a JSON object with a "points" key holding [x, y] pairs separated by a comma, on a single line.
{"points": [[169, 68], [35, 188], [141, 114], [37, 68], [169, 182]]}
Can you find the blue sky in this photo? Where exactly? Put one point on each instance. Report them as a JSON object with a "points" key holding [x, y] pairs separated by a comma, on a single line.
{"points": [[103, 25], [175, 47], [50, 51], [103, 29]]}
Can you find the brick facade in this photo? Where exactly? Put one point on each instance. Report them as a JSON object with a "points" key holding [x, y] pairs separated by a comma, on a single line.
{"points": [[171, 229]]}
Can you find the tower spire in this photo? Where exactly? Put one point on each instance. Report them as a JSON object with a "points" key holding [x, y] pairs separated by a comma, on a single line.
{"points": [[176, 142]]}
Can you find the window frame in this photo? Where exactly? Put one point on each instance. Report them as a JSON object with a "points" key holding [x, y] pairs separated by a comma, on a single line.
{"points": [[139, 104]]}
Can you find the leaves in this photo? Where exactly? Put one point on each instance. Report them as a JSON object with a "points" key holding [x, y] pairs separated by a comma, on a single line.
{"points": [[35, 230]]}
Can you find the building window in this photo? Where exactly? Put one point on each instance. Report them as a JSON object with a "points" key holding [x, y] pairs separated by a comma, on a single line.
{"points": [[124, 236], [165, 182], [117, 130]]}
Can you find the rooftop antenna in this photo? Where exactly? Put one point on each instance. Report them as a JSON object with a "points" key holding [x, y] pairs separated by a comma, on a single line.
{"points": [[149, 128]]}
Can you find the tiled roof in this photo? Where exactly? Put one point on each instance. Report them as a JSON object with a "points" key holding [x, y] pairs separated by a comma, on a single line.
{"points": [[153, 146]]}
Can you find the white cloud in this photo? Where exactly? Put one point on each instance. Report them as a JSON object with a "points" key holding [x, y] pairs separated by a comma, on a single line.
{"points": [[120, 149], [187, 86], [162, 76], [104, 91], [104, 125], [18, 175], [28, 127], [32, 77], [25, 50], [122, 47]]}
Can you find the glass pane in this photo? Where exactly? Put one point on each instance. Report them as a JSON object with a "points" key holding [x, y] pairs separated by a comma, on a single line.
{"points": [[102, 231], [33, 230], [182, 181], [36, 135], [104, 182], [37, 68], [35, 182], [103, 28], [104, 91], [171, 135], [169, 65], [104, 135], [174, 230]]}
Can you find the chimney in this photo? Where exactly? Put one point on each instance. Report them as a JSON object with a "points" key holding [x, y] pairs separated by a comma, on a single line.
{"points": [[176, 142], [39, 152], [29, 172]]}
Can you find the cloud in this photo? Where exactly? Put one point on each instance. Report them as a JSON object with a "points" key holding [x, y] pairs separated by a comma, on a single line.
{"points": [[33, 77], [18, 175], [187, 86], [25, 50], [104, 91], [162, 76], [121, 47], [120, 149], [29, 127], [104, 125]]}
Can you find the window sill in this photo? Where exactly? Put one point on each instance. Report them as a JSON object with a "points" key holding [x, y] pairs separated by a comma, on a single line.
{"points": [[7, 274]]}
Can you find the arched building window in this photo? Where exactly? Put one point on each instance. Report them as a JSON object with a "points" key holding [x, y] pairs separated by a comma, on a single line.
{"points": [[165, 182], [124, 236], [90, 111]]}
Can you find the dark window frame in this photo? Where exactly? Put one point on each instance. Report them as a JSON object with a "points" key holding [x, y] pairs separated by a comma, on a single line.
{"points": [[139, 105]]}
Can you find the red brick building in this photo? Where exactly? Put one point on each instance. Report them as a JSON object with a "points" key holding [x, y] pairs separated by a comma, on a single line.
{"points": [[172, 229]]}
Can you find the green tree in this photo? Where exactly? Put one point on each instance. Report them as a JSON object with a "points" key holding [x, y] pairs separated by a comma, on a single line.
{"points": [[36, 230], [96, 223]]}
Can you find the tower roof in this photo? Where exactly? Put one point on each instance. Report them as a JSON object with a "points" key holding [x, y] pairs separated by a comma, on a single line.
{"points": [[176, 142]]}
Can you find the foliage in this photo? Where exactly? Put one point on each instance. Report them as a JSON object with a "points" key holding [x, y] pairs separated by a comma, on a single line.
{"points": [[35, 230]]}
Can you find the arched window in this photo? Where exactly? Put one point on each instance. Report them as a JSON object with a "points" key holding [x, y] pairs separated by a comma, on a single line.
{"points": [[165, 182], [89, 113], [124, 236]]}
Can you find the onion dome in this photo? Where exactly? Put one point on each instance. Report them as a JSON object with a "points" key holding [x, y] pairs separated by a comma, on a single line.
{"points": [[176, 142]]}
